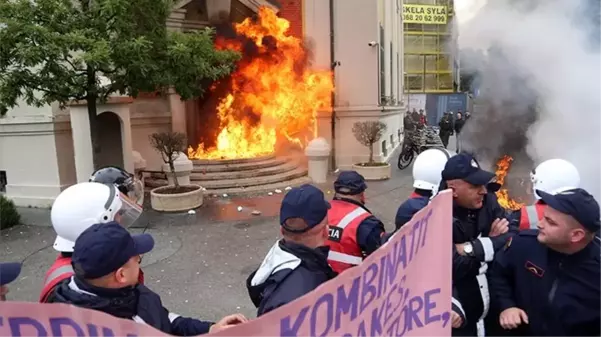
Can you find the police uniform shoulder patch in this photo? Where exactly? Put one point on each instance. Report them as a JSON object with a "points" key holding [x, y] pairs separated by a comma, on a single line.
{"points": [[508, 243]]}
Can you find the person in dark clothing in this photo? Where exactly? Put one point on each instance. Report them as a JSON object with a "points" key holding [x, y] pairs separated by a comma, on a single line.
{"points": [[480, 229], [8, 273], [458, 125], [298, 263], [106, 260], [546, 281], [364, 231], [408, 124], [446, 129]]}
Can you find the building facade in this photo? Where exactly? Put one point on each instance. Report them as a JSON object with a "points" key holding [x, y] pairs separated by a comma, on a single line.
{"points": [[366, 57], [44, 150], [431, 62]]}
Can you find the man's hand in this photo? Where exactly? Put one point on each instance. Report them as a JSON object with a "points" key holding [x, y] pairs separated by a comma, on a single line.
{"points": [[512, 317], [459, 247], [228, 322], [456, 320], [498, 227]]}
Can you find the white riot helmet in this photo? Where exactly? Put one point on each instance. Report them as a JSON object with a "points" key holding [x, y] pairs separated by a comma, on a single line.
{"points": [[85, 204], [554, 176], [427, 168]]}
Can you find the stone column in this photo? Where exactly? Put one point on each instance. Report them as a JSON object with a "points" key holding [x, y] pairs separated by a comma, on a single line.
{"points": [[178, 112], [82, 142]]}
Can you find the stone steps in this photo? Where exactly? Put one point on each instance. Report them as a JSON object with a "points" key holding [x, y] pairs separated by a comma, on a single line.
{"points": [[242, 176]]}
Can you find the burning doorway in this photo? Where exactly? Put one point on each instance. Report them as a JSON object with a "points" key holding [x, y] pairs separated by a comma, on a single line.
{"points": [[269, 101]]}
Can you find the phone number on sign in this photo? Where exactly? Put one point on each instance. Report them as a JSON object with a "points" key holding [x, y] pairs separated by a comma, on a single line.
{"points": [[421, 18]]}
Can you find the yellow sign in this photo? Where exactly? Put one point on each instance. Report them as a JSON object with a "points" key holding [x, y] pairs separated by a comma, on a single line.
{"points": [[428, 15]]}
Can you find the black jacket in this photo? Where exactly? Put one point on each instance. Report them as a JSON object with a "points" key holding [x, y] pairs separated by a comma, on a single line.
{"points": [[559, 293], [446, 125], [135, 303], [459, 125], [469, 272], [288, 272]]}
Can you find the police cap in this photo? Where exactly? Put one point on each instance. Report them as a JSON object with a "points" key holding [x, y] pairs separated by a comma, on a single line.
{"points": [[350, 183], [306, 202], [577, 203]]}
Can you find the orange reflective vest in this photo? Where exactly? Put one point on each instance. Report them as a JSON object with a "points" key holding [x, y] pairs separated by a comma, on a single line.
{"points": [[531, 215], [61, 270], [344, 219]]}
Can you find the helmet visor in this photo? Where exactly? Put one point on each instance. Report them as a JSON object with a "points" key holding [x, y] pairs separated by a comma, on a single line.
{"points": [[136, 191], [128, 213]]}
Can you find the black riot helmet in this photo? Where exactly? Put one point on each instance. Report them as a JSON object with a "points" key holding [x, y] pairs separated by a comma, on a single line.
{"points": [[125, 181]]}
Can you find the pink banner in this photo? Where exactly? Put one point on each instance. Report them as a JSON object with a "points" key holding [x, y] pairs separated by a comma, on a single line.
{"points": [[403, 289]]}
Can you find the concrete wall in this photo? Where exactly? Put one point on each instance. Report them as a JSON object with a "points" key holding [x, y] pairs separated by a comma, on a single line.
{"points": [[36, 152], [356, 24], [147, 117]]}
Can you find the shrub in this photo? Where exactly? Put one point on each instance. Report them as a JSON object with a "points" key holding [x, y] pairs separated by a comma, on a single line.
{"points": [[367, 134], [9, 216]]}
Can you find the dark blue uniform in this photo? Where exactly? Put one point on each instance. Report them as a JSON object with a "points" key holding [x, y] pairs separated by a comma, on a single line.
{"points": [[559, 293], [289, 271]]}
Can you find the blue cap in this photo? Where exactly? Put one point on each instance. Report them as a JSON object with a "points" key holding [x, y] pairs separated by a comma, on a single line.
{"points": [[104, 248], [408, 209], [9, 272], [465, 167], [577, 203], [349, 183], [306, 202]]}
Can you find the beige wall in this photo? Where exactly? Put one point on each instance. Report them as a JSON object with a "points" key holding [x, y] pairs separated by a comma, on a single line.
{"points": [[36, 152], [356, 24]]}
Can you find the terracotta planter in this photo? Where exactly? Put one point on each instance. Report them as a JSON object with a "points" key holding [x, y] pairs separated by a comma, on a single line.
{"points": [[380, 172], [165, 200]]}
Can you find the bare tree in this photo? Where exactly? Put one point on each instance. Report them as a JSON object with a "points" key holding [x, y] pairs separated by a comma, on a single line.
{"points": [[368, 133], [169, 145]]}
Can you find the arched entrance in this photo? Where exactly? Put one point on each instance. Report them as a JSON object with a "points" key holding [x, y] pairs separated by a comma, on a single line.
{"points": [[110, 140]]}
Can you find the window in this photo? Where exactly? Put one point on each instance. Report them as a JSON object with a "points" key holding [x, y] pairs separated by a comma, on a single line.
{"points": [[392, 95], [384, 149], [382, 46], [3, 181], [392, 140]]}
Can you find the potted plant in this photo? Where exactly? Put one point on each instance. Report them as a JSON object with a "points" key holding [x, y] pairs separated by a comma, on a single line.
{"points": [[369, 133], [175, 196]]}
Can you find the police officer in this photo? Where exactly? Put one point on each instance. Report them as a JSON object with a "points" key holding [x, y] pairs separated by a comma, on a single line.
{"points": [[73, 211], [427, 170], [126, 182], [8, 273], [547, 281], [296, 264], [354, 231], [551, 176], [479, 230], [106, 260]]}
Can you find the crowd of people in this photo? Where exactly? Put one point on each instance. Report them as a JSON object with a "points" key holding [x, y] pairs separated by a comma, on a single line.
{"points": [[531, 272]]}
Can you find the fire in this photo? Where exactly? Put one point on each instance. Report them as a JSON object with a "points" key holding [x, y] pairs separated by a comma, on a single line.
{"points": [[272, 95], [505, 201]]}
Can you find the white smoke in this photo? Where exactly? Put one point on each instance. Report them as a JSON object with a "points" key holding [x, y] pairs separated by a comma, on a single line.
{"points": [[545, 51]]}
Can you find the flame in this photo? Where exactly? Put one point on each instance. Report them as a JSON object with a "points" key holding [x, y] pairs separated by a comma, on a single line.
{"points": [[271, 95], [505, 201]]}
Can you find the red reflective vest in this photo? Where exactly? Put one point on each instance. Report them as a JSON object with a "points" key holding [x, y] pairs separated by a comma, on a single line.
{"points": [[414, 195], [531, 215], [61, 270], [344, 219]]}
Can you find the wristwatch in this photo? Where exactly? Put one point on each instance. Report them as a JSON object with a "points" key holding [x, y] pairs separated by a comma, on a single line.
{"points": [[468, 249]]}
